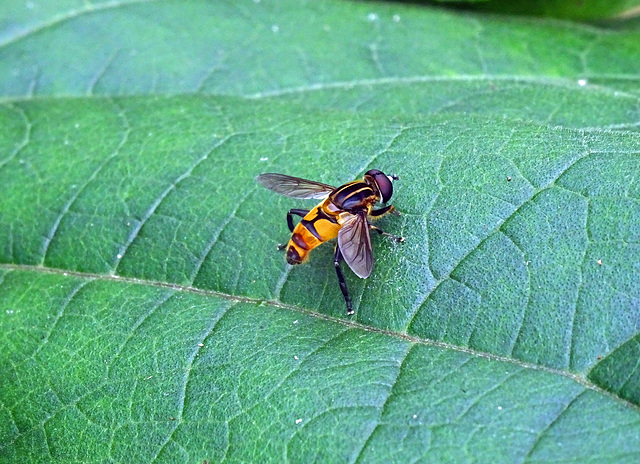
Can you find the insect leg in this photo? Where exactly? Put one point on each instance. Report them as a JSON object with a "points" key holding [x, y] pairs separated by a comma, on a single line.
{"points": [[297, 212], [343, 285], [383, 211], [381, 232]]}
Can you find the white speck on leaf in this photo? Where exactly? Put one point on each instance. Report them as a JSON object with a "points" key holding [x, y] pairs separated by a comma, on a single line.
{"points": [[372, 17], [275, 28], [264, 159], [298, 421], [582, 82], [396, 18]]}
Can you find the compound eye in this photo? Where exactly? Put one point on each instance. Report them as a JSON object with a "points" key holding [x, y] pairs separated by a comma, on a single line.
{"points": [[385, 187]]}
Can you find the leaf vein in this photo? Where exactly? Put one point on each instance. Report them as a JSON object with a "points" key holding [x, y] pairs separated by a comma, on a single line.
{"points": [[65, 208], [25, 138], [87, 8], [490, 235], [540, 435], [320, 316], [189, 366], [382, 408], [156, 203]]}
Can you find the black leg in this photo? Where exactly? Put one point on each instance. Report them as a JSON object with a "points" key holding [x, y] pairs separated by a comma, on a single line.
{"points": [[381, 232], [343, 285], [383, 211], [297, 212]]}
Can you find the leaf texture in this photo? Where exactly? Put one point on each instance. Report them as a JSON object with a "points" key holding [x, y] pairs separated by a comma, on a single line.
{"points": [[146, 315]]}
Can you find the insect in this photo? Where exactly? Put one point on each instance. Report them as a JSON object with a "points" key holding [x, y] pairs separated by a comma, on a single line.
{"points": [[344, 212]]}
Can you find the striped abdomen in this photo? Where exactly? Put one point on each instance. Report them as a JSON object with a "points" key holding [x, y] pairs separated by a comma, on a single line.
{"points": [[319, 225]]}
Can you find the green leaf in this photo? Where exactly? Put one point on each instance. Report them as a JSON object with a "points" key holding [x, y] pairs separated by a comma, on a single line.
{"points": [[146, 315], [583, 10]]}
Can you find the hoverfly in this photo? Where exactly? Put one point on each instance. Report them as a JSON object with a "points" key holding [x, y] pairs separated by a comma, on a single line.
{"points": [[344, 212]]}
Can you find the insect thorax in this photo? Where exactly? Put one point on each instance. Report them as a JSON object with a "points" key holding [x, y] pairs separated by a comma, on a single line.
{"points": [[353, 197]]}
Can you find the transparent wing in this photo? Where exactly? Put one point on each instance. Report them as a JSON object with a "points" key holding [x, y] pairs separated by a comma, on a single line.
{"points": [[294, 187], [355, 244]]}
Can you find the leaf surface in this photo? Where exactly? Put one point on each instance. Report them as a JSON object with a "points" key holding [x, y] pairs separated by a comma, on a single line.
{"points": [[146, 315], [591, 10]]}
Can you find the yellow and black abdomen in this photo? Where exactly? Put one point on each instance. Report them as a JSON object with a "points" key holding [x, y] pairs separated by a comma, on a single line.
{"points": [[319, 225]]}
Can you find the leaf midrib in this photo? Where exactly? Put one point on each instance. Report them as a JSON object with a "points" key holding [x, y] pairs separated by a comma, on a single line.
{"points": [[564, 82], [569, 83], [308, 312]]}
